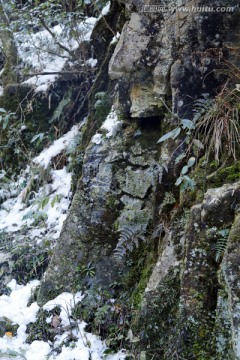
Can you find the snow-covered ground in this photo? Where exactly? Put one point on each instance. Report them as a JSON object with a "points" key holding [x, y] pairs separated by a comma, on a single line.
{"points": [[85, 346], [24, 205]]}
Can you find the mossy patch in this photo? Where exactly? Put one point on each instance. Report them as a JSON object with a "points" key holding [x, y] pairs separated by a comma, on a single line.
{"points": [[29, 262], [228, 174], [143, 260], [155, 324], [210, 174]]}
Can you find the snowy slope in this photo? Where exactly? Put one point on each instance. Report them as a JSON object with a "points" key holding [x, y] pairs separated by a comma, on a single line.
{"points": [[85, 346]]}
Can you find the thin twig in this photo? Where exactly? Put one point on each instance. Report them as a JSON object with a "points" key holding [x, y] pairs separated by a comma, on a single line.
{"points": [[55, 73], [55, 38]]}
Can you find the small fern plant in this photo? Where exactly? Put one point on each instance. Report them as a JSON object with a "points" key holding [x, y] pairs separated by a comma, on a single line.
{"points": [[221, 244], [128, 240]]}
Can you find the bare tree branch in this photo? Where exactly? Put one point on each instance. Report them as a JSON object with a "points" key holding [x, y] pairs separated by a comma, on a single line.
{"points": [[70, 52], [56, 73]]}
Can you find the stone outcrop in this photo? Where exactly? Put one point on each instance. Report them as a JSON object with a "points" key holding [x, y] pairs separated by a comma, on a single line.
{"points": [[116, 190], [185, 292]]}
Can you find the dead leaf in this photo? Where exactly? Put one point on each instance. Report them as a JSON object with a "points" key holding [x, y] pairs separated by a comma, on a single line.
{"points": [[55, 321]]}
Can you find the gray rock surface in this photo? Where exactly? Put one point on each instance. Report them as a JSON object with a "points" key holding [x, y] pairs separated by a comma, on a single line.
{"points": [[111, 195], [162, 64]]}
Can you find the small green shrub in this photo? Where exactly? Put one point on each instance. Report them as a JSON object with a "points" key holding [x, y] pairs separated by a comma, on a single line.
{"points": [[29, 262]]}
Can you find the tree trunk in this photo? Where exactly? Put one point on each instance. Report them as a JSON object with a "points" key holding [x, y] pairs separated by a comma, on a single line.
{"points": [[9, 49]]}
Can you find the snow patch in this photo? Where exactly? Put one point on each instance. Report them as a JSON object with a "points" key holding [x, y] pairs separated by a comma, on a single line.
{"points": [[14, 306], [86, 346], [66, 301], [56, 148], [110, 127], [111, 124], [106, 9], [41, 53], [91, 62], [51, 200], [97, 139], [115, 38]]}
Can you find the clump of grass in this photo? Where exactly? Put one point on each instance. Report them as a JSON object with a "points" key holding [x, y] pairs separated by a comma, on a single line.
{"points": [[219, 124]]}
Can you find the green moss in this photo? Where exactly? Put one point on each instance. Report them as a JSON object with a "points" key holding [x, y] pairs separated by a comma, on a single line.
{"points": [[214, 174], [34, 110], [210, 175], [40, 329], [138, 293], [141, 262], [188, 198], [229, 174], [156, 322], [29, 116], [234, 233]]}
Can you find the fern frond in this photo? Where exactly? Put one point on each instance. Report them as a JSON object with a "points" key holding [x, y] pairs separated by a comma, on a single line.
{"points": [[221, 244], [128, 240], [220, 248]]}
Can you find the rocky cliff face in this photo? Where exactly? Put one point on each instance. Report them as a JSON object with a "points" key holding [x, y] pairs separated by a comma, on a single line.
{"points": [[170, 258]]}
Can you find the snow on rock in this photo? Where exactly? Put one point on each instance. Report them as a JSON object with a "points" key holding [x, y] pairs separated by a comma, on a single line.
{"points": [[97, 139], [15, 307], [110, 128], [111, 124], [42, 82]]}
